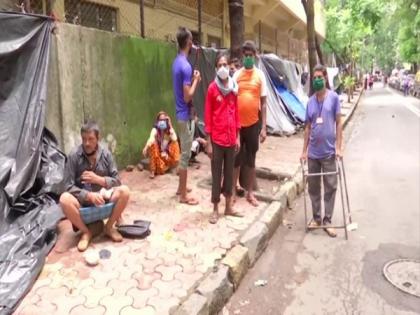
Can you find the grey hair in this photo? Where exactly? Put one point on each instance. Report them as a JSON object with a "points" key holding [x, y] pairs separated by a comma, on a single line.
{"points": [[90, 126]]}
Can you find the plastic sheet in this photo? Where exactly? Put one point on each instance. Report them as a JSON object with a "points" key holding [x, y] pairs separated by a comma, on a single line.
{"points": [[31, 166]]}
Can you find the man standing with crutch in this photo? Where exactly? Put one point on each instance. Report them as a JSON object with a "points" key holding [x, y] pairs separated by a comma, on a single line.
{"points": [[322, 146]]}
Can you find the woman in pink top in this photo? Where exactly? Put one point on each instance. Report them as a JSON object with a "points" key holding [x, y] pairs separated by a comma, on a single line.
{"points": [[222, 127]]}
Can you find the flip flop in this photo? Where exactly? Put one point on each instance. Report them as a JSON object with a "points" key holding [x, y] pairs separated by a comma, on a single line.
{"points": [[139, 229], [189, 201]]}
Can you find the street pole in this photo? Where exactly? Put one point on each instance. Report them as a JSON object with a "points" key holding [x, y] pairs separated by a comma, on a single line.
{"points": [[142, 19], [199, 7], [259, 36]]}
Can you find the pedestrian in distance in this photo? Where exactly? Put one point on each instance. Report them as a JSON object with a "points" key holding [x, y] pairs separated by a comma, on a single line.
{"points": [[185, 82], [222, 127], [252, 94], [322, 145]]}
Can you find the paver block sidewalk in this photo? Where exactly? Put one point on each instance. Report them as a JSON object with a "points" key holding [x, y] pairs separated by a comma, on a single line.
{"points": [[150, 276]]}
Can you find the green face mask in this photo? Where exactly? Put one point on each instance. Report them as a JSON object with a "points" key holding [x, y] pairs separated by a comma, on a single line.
{"points": [[248, 62], [318, 84]]}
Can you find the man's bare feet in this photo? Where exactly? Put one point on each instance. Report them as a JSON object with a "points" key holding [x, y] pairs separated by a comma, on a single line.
{"points": [[113, 234], [188, 191], [84, 241], [252, 200], [191, 201]]}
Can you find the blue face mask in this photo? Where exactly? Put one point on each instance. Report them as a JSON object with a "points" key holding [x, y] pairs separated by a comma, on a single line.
{"points": [[162, 125]]}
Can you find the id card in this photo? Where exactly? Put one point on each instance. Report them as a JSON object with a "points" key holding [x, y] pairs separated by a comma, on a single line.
{"points": [[319, 120]]}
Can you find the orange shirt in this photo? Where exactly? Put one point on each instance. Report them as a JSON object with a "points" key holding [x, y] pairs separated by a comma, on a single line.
{"points": [[251, 89]]}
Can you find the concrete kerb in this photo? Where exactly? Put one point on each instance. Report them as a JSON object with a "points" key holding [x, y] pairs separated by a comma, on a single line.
{"points": [[348, 117], [216, 289]]}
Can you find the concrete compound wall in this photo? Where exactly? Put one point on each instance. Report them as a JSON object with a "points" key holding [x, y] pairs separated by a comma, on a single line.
{"points": [[119, 81]]}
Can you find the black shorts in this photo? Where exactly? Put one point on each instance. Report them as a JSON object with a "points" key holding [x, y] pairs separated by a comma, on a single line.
{"points": [[250, 141]]}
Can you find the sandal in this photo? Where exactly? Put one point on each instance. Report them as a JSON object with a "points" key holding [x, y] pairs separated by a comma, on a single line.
{"points": [[214, 218], [189, 201], [252, 200]]}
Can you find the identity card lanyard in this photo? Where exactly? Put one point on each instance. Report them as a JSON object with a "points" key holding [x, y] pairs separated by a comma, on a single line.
{"points": [[319, 120]]}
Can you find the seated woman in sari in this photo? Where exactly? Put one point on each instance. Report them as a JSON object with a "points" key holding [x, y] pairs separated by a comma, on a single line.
{"points": [[162, 146]]}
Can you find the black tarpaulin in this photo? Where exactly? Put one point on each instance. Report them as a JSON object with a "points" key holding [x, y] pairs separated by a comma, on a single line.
{"points": [[203, 59], [31, 165]]}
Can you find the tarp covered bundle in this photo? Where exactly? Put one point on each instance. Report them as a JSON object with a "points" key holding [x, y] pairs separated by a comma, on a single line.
{"points": [[31, 165], [286, 79]]}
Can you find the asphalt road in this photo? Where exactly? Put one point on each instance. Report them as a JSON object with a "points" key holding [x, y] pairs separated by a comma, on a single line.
{"points": [[314, 274]]}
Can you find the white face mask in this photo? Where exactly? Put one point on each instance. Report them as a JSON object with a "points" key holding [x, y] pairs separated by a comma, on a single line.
{"points": [[223, 73]]}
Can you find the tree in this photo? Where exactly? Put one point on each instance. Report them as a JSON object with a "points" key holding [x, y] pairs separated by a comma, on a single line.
{"points": [[317, 45], [409, 31], [236, 20], [310, 26], [370, 33]]}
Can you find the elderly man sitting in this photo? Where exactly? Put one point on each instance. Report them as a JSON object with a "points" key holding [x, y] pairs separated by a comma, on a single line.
{"points": [[94, 190]]}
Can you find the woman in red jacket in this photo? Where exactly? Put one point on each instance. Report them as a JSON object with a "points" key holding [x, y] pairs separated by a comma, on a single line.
{"points": [[222, 127]]}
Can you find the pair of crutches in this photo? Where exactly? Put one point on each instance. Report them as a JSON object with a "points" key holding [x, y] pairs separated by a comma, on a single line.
{"points": [[340, 172]]}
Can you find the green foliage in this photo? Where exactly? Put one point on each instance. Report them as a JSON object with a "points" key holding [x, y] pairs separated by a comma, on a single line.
{"points": [[373, 32], [349, 82]]}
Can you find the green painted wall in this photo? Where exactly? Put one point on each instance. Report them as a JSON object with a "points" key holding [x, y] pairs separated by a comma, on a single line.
{"points": [[121, 82]]}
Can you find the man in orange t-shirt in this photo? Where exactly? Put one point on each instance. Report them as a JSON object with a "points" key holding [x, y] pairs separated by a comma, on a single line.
{"points": [[251, 101]]}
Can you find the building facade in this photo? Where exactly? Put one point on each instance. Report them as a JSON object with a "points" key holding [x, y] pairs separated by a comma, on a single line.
{"points": [[277, 26]]}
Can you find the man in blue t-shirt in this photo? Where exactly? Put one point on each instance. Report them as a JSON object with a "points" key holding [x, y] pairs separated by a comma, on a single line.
{"points": [[322, 145], [185, 82]]}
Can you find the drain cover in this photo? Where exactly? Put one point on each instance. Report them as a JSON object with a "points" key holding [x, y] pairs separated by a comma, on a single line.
{"points": [[404, 274]]}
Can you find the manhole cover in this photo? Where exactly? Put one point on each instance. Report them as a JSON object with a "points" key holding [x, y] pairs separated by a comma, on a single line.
{"points": [[404, 274]]}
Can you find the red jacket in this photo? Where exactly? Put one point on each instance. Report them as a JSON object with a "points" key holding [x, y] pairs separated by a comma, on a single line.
{"points": [[221, 116]]}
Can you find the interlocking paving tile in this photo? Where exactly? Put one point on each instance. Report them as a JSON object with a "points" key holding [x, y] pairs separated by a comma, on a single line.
{"points": [[120, 287], [95, 294], [165, 288], [149, 266], [168, 273], [83, 310], [145, 280], [114, 303], [188, 280], [186, 264], [147, 310], [66, 302], [164, 306], [102, 278], [141, 297]]}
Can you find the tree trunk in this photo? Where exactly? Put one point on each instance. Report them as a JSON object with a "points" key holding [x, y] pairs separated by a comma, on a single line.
{"points": [[310, 27], [236, 21], [319, 51]]}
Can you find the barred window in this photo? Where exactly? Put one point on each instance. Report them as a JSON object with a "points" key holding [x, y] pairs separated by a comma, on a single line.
{"points": [[91, 15]]}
